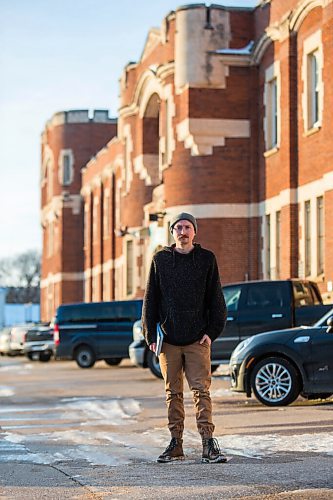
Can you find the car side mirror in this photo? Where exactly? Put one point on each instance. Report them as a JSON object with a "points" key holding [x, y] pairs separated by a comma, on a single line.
{"points": [[329, 324]]}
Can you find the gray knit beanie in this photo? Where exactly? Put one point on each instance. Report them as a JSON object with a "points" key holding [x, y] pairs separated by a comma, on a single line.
{"points": [[183, 216]]}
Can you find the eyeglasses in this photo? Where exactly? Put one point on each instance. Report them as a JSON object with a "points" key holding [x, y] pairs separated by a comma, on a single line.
{"points": [[179, 227]]}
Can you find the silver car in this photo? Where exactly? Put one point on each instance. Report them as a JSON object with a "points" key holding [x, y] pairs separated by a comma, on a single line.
{"points": [[17, 338], [5, 342]]}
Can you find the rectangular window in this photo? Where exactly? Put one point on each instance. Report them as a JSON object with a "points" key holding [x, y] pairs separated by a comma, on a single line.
{"points": [[272, 113], [167, 141], [320, 235], [86, 225], [118, 205], [129, 267], [106, 217], [95, 219], [313, 89], [126, 163], [307, 237], [66, 169], [278, 244], [268, 246]]}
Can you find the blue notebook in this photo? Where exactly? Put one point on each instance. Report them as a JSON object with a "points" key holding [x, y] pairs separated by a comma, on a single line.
{"points": [[159, 339]]}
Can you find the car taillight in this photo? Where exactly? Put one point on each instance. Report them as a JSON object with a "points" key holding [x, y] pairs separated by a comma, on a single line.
{"points": [[56, 336]]}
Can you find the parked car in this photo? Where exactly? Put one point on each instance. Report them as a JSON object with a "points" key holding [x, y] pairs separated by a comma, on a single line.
{"points": [[17, 338], [88, 332], [5, 342], [278, 366], [253, 307], [39, 343]]}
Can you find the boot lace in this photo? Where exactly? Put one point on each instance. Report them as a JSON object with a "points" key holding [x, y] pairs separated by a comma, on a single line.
{"points": [[213, 446], [172, 445]]}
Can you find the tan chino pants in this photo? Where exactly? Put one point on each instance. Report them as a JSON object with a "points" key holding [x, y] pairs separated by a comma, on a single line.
{"points": [[194, 361]]}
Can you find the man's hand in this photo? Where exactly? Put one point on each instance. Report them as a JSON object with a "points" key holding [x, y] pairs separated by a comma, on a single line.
{"points": [[205, 338], [152, 347]]}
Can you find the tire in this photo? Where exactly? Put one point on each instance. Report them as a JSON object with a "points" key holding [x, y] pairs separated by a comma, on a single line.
{"points": [[85, 356], [275, 382], [213, 368], [44, 357], [31, 356], [154, 365], [113, 361]]}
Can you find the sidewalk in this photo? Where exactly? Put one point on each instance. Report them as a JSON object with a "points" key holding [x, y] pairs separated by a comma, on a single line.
{"points": [[239, 478]]}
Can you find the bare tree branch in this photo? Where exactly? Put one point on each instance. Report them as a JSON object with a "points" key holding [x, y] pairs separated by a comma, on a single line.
{"points": [[21, 276]]}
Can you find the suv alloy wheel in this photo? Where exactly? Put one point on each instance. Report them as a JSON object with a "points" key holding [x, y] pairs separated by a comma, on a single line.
{"points": [[275, 382]]}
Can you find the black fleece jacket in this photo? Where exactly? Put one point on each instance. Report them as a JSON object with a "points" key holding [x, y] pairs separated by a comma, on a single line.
{"points": [[184, 294]]}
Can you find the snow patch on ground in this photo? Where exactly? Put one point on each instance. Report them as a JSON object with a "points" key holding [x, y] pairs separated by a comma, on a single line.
{"points": [[6, 392], [260, 446], [113, 412], [110, 448], [82, 439], [18, 368]]}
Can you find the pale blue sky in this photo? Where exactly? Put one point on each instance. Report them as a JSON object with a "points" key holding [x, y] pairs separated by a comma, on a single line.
{"points": [[66, 54]]}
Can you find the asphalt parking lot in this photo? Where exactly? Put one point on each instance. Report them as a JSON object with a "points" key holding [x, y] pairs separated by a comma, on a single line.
{"points": [[72, 433]]}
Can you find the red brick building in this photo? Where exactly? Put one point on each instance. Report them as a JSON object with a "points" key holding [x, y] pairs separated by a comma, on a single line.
{"points": [[69, 140], [226, 115]]}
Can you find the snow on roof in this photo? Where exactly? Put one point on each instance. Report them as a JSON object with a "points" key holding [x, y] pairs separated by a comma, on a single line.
{"points": [[243, 51]]}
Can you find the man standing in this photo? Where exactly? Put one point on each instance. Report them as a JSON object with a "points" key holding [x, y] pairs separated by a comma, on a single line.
{"points": [[184, 295]]}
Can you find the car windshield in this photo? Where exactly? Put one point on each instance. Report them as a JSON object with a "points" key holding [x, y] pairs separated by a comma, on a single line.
{"points": [[323, 320]]}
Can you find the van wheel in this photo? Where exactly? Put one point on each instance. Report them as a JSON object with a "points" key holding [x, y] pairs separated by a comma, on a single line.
{"points": [[154, 365], [275, 382], [113, 361], [85, 356]]}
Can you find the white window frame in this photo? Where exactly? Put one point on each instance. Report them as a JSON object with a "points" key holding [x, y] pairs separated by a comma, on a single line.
{"points": [[270, 248], [167, 141], [313, 88], [272, 100]]}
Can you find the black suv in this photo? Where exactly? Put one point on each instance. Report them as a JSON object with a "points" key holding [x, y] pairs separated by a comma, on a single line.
{"points": [[88, 332]]}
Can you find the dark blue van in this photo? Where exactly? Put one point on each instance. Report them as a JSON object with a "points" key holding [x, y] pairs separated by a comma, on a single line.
{"points": [[87, 332]]}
